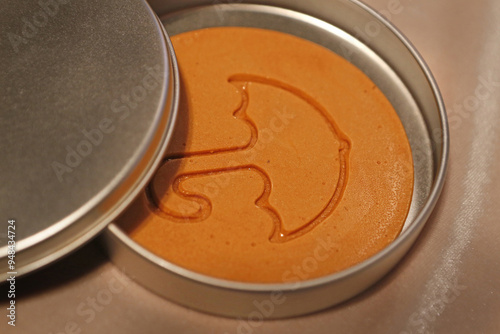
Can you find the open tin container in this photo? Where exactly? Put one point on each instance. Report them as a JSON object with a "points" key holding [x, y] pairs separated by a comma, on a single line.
{"points": [[348, 28], [360, 35]]}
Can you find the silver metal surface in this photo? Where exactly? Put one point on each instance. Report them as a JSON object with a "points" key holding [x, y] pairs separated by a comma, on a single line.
{"points": [[88, 98], [390, 61]]}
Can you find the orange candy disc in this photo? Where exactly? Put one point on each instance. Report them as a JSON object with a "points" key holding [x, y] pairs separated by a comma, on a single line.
{"points": [[287, 162]]}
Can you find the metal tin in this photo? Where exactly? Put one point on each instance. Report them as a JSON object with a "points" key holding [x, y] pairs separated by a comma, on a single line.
{"points": [[88, 99], [360, 35]]}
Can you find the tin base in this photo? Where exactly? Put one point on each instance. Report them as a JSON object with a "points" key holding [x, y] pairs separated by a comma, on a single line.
{"points": [[358, 34]]}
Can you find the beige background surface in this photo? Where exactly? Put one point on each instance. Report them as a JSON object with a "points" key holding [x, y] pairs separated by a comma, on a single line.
{"points": [[448, 283]]}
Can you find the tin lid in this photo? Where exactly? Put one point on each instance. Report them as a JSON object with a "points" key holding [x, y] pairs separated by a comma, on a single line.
{"points": [[88, 99]]}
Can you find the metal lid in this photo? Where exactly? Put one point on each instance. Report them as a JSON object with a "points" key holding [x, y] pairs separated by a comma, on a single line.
{"points": [[88, 99]]}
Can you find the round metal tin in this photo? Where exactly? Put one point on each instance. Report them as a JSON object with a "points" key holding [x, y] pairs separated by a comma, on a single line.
{"points": [[359, 34], [88, 99]]}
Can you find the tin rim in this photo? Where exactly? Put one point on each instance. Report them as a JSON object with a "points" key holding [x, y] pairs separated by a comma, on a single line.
{"points": [[120, 245]]}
